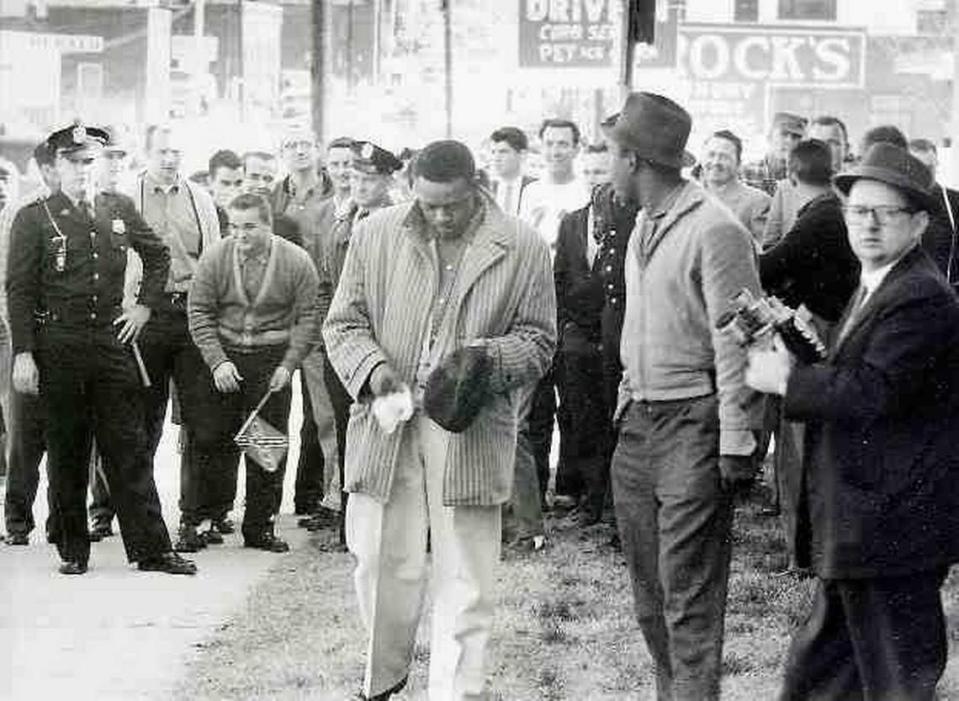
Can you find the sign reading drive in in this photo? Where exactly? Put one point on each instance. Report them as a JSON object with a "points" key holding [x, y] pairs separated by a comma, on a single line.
{"points": [[570, 33]]}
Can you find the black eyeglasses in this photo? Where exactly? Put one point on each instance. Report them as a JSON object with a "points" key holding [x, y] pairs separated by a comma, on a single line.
{"points": [[884, 214]]}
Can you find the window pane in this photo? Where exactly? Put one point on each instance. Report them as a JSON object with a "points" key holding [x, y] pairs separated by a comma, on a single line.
{"points": [[807, 9], [746, 11]]}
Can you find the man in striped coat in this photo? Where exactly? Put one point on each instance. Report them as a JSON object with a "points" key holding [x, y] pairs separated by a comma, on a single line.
{"points": [[421, 280]]}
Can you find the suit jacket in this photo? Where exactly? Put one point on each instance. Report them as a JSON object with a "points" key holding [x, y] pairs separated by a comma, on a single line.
{"points": [[882, 416], [940, 239], [579, 288], [813, 263], [380, 313], [524, 182]]}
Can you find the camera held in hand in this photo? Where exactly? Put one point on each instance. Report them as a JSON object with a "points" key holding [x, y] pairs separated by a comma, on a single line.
{"points": [[754, 321]]}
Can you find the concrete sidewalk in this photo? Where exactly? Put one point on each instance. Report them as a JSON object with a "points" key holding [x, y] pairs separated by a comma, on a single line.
{"points": [[117, 633]]}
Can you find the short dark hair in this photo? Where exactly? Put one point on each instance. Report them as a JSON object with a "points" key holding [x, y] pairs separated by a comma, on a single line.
{"points": [[43, 154], [262, 155], [514, 136], [811, 162], [224, 158], [248, 201], [885, 134], [828, 120], [341, 142], [555, 123], [445, 161], [601, 147], [731, 138], [925, 145]]}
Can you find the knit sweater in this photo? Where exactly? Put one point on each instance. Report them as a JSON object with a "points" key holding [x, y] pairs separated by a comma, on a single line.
{"points": [[224, 319]]}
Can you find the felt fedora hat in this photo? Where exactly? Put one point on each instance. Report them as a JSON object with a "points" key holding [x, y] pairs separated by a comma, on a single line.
{"points": [[655, 127], [893, 166]]}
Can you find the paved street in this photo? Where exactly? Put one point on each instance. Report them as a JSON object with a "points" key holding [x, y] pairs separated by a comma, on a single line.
{"points": [[117, 633]]}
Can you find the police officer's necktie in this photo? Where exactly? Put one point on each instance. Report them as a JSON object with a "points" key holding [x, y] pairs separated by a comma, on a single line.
{"points": [[84, 207]]}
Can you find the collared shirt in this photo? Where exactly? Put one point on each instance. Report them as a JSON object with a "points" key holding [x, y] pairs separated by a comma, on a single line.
{"points": [[170, 212], [872, 279], [252, 269], [508, 194]]}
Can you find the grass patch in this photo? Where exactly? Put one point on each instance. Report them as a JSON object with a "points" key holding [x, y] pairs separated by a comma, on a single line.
{"points": [[564, 629]]}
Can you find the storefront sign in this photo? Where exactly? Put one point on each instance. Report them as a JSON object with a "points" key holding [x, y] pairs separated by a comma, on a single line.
{"points": [[569, 33], [793, 57]]}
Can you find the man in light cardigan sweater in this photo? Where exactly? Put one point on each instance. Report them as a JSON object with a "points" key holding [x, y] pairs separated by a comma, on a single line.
{"points": [[421, 280], [253, 315]]}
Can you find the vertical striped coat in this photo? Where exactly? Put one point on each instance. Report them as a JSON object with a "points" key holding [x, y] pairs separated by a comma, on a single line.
{"points": [[380, 312]]}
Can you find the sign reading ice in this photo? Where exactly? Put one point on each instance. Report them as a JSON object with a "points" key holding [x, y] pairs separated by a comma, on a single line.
{"points": [[571, 33], [786, 57]]}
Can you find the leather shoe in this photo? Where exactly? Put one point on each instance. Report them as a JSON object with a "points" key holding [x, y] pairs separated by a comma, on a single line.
{"points": [[212, 537], [224, 525], [268, 542], [323, 518], [99, 531], [385, 695], [188, 540], [18, 539], [73, 567], [170, 562]]}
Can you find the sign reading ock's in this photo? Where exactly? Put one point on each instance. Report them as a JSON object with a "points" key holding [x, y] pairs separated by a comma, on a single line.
{"points": [[788, 57]]}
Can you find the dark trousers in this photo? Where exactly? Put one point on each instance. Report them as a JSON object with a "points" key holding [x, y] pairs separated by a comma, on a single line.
{"points": [[91, 390], [169, 353], [675, 525], [341, 401], [871, 640], [217, 457], [101, 508], [586, 470], [26, 444], [523, 515], [308, 490]]}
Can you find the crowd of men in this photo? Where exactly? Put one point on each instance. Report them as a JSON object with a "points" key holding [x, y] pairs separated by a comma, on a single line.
{"points": [[445, 317]]}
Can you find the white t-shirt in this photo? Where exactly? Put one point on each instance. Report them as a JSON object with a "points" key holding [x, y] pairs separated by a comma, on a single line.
{"points": [[545, 204]]}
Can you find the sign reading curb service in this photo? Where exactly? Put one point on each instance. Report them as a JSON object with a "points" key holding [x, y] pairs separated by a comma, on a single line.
{"points": [[783, 57], [568, 33]]}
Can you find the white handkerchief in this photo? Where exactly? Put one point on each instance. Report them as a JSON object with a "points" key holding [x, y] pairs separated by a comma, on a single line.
{"points": [[392, 409]]}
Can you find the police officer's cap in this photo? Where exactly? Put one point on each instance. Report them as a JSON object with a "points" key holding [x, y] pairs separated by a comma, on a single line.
{"points": [[372, 159], [76, 139]]}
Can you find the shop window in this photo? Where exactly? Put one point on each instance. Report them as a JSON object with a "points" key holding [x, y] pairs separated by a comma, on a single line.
{"points": [[807, 9], [746, 11]]}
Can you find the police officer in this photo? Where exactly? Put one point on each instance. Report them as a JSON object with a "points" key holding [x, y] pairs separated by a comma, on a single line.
{"points": [[72, 345]]}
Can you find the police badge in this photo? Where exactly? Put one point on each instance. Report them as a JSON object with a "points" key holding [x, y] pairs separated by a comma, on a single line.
{"points": [[119, 226], [79, 134]]}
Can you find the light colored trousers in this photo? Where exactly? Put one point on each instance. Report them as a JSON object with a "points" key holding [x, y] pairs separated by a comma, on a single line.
{"points": [[389, 542], [312, 369]]}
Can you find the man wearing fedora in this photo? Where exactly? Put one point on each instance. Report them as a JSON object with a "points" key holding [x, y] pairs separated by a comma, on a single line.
{"points": [[444, 286], [686, 418], [881, 495]]}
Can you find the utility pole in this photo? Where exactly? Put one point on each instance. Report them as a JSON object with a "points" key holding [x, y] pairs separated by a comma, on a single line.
{"points": [[954, 144], [318, 68], [448, 64]]}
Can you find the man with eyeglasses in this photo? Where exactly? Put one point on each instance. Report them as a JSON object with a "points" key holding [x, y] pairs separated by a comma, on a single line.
{"points": [[880, 511]]}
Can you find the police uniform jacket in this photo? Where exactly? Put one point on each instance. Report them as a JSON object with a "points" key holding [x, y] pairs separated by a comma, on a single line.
{"points": [[882, 416], [66, 270]]}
